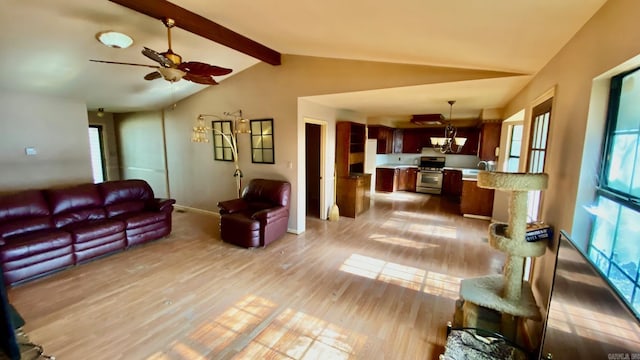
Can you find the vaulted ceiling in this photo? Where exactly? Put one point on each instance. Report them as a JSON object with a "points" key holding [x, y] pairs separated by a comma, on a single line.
{"points": [[45, 46]]}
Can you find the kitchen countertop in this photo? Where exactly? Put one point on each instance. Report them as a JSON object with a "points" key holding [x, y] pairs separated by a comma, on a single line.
{"points": [[396, 166]]}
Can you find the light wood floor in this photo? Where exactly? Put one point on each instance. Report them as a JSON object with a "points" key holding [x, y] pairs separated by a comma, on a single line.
{"points": [[382, 286]]}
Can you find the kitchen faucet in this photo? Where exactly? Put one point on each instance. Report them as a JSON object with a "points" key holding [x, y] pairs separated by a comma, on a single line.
{"points": [[487, 165]]}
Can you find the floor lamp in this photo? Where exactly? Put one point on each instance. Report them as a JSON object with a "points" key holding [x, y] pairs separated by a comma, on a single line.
{"points": [[240, 126]]}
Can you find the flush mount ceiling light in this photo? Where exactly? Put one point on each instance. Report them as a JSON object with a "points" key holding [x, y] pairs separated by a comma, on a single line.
{"points": [[114, 39]]}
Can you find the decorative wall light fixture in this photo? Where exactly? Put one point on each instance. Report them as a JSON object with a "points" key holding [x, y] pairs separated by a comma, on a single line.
{"points": [[240, 126], [449, 143]]}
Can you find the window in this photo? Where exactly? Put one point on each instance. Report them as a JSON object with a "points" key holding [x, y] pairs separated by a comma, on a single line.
{"points": [[537, 153], [262, 141], [614, 245], [96, 153], [515, 142], [221, 146]]}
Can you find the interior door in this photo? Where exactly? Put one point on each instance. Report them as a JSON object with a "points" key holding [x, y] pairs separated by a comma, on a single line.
{"points": [[312, 154]]}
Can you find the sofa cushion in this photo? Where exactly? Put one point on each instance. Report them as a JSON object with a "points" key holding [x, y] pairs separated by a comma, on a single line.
{"points": [[79, 216], [115, 192], [94, 229], [34, 243], [144, 218], [131, 206], [74, 198], [23, 212]]}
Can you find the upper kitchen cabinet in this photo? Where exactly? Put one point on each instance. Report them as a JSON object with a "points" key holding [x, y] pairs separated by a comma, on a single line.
{"points": [[350, 144], [384, 137], [413, 140], [489, 140], [472, 135], [398, 135]]}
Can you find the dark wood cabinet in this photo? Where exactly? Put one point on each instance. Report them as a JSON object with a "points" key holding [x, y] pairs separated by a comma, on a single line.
{"points": [[350, 143], [489, 140], [413, 140], [476, 201], [386, 179], [352, 193], [353, 196], [412, 178], [452, 183], [398, 179], [398, 137], [471, 146], [384, 138]]}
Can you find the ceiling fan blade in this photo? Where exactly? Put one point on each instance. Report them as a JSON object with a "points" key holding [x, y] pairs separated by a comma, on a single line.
{"points": [[153, 75], [202, 69], [123, 63], [205, 80], [157, 57], [187, 20]]}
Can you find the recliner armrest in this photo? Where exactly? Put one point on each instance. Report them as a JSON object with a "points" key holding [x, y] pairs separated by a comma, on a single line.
{"points": [[232, 206], [159, 204], [268, 215]]}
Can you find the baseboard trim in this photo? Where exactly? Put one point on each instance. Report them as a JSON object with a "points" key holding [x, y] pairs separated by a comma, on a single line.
{"points": [[479, 217], [192, 209]]}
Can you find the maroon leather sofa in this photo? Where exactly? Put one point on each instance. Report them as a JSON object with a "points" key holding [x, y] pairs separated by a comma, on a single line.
{"points": [[43, 231], [259, 217]]}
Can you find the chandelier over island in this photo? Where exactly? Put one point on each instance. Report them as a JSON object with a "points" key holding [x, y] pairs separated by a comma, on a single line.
{"points": [[449, 143], [240, 126]]}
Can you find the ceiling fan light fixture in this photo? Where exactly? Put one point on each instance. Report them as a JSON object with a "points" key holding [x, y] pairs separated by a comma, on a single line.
{"points": [[171, 74], [114, 39]]}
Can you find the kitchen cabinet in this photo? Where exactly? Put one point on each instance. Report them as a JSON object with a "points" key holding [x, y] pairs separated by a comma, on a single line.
{"points": [[412, 178], [452, 183], [476, 201], [350, 143], [384, 138], [387, 179], [471, 146], [489, 140], [353, 197], [398, 135], [396, 179], [413, 140], [352, 188]]}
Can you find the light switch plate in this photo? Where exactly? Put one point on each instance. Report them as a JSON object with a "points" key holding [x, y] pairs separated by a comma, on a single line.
{"points": [[30, 151]]}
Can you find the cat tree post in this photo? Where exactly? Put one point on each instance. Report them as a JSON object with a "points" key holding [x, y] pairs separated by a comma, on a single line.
{"points": [[507, 294]]}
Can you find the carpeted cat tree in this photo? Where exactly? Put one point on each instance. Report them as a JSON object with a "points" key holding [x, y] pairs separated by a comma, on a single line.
{"points": [[507, 295]]}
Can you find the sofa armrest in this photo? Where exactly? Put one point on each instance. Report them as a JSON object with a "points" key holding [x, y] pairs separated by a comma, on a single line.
{"points": [[232, 206], [159, 204], [269, 215], [2, 240]]}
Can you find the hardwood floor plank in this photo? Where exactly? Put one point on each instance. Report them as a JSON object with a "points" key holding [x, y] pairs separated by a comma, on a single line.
{"points": [[381, 286]]}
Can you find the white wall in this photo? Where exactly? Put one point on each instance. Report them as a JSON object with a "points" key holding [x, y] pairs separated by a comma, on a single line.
{"points": [[607, 40], [56, 128]]}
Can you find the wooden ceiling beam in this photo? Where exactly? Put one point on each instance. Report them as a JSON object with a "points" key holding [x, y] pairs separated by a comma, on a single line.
{"points": [[194, 23]]}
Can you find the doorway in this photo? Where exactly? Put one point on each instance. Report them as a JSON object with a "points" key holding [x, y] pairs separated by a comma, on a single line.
{"points": [[313, 146]]}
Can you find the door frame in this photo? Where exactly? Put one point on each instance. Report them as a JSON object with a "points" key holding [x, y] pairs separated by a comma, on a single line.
{"points": [[323, 166]]}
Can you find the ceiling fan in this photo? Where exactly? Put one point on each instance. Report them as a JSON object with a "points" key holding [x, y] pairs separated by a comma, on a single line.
{"points": [[172, 68]]}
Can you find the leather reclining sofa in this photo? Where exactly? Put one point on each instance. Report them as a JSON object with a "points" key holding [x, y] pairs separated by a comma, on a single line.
{"points": [[44, 231]]}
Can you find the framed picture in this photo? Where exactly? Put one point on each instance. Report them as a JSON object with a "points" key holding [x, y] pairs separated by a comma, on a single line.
{"points": [[262, 151], [221, 147]]}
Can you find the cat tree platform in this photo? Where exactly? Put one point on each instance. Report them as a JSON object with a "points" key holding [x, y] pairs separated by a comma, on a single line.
{"points": [[487, 291], [498, 240]]}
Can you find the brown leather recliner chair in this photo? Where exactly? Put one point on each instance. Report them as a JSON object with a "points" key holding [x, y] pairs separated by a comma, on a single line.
{"points": [[259, 217]]}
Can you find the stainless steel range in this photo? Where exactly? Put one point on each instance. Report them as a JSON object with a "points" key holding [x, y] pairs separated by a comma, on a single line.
{"points": [[430, 175]]}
